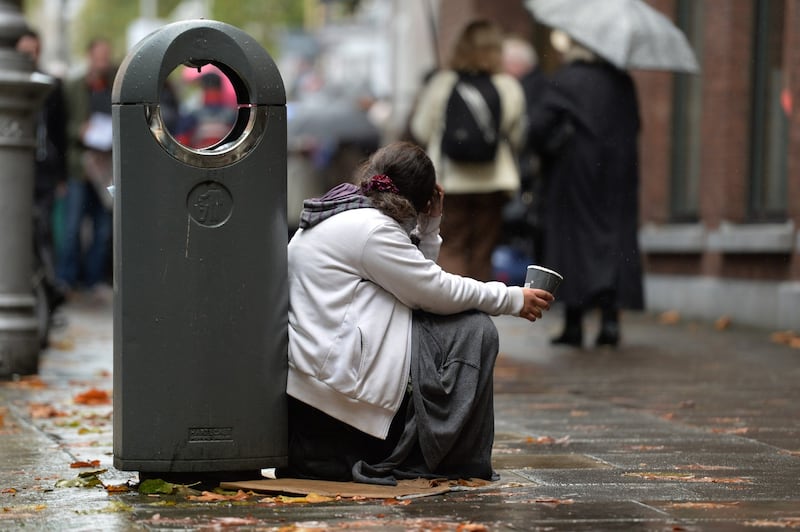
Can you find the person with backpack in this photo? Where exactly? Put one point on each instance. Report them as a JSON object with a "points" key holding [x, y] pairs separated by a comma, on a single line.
{"points": [[471, 118]]}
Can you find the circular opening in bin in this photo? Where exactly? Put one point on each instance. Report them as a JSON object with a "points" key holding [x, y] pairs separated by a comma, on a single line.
{"points": [[201, 130], [199, 106]]}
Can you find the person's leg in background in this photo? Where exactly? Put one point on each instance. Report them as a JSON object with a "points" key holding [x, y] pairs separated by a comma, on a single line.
{"points": [[573, 327], [456, 231], [609, 320], [69, 255], [97, 254], [487, 222]]}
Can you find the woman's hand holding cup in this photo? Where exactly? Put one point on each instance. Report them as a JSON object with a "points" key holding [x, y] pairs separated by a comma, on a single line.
{"points": [[536, 301]]}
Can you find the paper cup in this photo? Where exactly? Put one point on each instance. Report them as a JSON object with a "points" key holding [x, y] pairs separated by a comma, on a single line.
{"points": [[544, 278]]}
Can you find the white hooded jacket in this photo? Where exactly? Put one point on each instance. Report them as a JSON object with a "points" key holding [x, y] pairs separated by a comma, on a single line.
{"points": [[354, 279]]}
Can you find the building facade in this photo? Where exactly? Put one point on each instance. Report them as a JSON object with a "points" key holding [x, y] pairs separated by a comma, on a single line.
{"points": [[721, 165], [720, 158]]}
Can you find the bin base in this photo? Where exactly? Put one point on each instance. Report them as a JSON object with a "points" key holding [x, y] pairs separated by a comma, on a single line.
{"points": [[226, 466]]}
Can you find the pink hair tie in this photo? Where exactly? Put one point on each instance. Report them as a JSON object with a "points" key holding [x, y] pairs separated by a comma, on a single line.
{"points": [[380, 183]]}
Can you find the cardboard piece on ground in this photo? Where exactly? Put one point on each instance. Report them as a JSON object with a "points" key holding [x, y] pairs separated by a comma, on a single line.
{"points": [[418, 487]]}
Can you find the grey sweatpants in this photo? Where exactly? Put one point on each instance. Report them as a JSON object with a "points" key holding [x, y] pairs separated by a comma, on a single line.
{"points": [[449, 427]]}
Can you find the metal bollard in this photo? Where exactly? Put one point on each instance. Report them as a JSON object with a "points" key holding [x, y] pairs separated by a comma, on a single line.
{"points": [[200, 296], [22, 91]]}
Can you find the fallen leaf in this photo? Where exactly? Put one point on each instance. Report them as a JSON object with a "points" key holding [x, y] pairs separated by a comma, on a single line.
{"points": [[155, 486], [726, 420], [224, 522], [116, 488], [24, 509], [547, 440], [310, 498], [646, 447], [781, 522], [93, 396], [77, 465], [62, 344], [553, 502], [782, 337], [208, 496], [44, 411], [578, 413], [687, 477], [28, 381], [738, 431], [84, 430], [81, 481], [722, 323], [703, 505], [471, 527], [396, 502], [699, 467], [670, 317], [92, 473], [9, 491]]}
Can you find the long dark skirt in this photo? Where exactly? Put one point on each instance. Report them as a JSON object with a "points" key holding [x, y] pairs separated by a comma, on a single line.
{"points": [[445, 427]]}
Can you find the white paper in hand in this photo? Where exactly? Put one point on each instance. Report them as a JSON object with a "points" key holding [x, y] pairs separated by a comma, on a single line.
{"points": [[98, 135]]}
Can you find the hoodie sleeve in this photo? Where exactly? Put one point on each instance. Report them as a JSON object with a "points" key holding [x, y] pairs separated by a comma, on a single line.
{"points": [[427, 230], [392, 262]]}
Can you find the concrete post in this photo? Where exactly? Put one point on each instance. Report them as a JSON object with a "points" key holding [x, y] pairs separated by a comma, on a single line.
{"points": [[21, 93]]}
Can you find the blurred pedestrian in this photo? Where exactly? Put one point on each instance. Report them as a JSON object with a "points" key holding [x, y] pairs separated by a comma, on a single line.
{"points": [[523, 216], [390, 356], [50, 171], [588, 125], [89, 166], [215, 117], [476, 189]]}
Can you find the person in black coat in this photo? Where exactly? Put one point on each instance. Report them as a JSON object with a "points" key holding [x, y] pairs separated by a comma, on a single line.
{"points": [[586, 126]]}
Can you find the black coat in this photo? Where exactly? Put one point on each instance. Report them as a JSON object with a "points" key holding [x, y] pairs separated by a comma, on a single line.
{"points": [[586, 126], [51, 143]]}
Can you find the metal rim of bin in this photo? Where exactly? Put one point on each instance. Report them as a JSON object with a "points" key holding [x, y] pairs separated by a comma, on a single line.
{"points": [[245, 134]]}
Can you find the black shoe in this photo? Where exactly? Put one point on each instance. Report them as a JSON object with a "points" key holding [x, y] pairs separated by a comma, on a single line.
{"points": [[609, 336], [569, 337]]}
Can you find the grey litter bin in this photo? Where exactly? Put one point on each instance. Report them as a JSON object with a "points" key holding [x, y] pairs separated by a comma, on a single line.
{"points": [[200, 297]]}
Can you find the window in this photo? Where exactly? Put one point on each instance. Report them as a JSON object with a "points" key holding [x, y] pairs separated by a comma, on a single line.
{"points": [[770, 123], [687, 107]]}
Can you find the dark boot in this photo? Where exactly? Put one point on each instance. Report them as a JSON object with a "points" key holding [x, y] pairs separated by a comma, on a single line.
{"points": [[573, 328], [609, 328]]}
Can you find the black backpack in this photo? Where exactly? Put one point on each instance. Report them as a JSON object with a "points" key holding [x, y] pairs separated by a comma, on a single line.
{"points": [[472, 120]]}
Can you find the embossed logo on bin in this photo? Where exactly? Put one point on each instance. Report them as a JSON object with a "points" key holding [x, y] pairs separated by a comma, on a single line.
{"points": [[210, 204]]}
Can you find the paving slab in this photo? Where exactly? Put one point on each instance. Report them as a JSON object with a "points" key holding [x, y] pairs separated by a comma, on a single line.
{"points": [[684, 427]]}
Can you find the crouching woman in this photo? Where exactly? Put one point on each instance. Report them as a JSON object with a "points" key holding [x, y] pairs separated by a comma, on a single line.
{"points": [[390, 357]]}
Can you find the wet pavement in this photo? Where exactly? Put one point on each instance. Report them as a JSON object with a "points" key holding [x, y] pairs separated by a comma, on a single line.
{"points": [[686, 426]]}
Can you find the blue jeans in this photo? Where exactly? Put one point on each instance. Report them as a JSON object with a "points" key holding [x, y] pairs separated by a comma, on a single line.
{"points": [[74, 265]]}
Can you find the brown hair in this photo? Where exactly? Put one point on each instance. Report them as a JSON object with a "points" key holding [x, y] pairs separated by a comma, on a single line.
{"points": [[479, 48], [411, 171]]}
